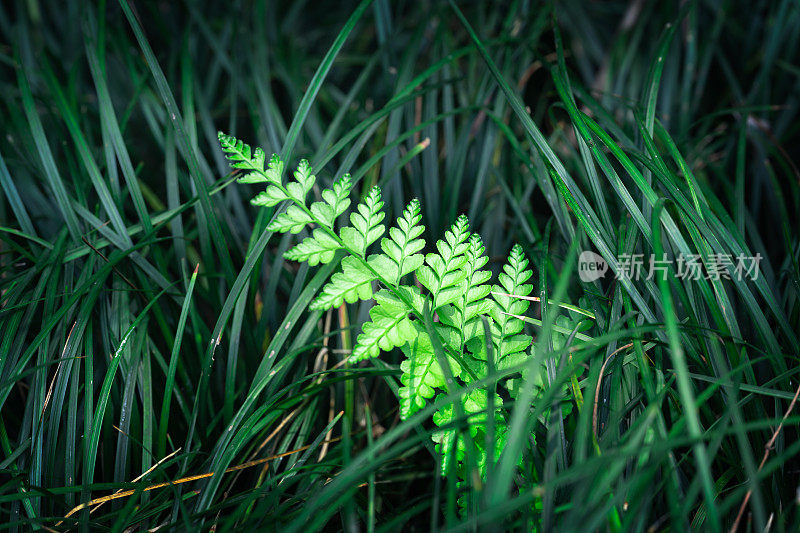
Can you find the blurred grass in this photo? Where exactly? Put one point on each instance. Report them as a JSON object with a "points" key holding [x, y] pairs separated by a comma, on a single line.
{"points": [[152, 332]]}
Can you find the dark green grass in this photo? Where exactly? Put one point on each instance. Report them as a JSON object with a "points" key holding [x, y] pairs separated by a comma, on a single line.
{"points": [[151, 331]]}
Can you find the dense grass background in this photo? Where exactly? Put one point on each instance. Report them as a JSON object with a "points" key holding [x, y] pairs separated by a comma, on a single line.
{"points": [[151, 333]]}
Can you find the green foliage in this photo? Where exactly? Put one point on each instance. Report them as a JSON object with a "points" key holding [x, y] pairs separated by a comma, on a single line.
{"points": [[159, 341], [366, 227], [509, 341], [452, 445], [456, 292], [241, 157], [401, 249]]}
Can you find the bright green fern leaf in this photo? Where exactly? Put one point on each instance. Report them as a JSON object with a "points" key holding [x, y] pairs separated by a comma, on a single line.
{"points": [[274, 170], [389, 327], [509, 341], [401, 248], [353, 283], [239, 154], [366, 224], [422, 374], [335, 201], [272, 196], [319, 248], [443, 274], [292, 221], [304, 180], [464, 314]]}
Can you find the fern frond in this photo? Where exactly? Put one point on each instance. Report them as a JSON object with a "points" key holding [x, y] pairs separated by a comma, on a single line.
{"points": [[366, 224], [474, 289], [353, 283], [240, 156], [389, 328], [319, 248], [292, 221], [443, 272], [464, 314], [509, 341], [303, 181], [335, 201], [401, 248], [422, 374], [456, 290], [272, 196], [475, 406]]}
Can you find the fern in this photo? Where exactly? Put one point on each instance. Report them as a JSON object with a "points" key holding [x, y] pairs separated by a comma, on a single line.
{"points": [[464, 314], [475, 405], [442, 274], [319, 248], [450, 283], [510, 343], [366, 227], [390, 327], [238, 153], [422, 375], [401, 249], [352, 283]]}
